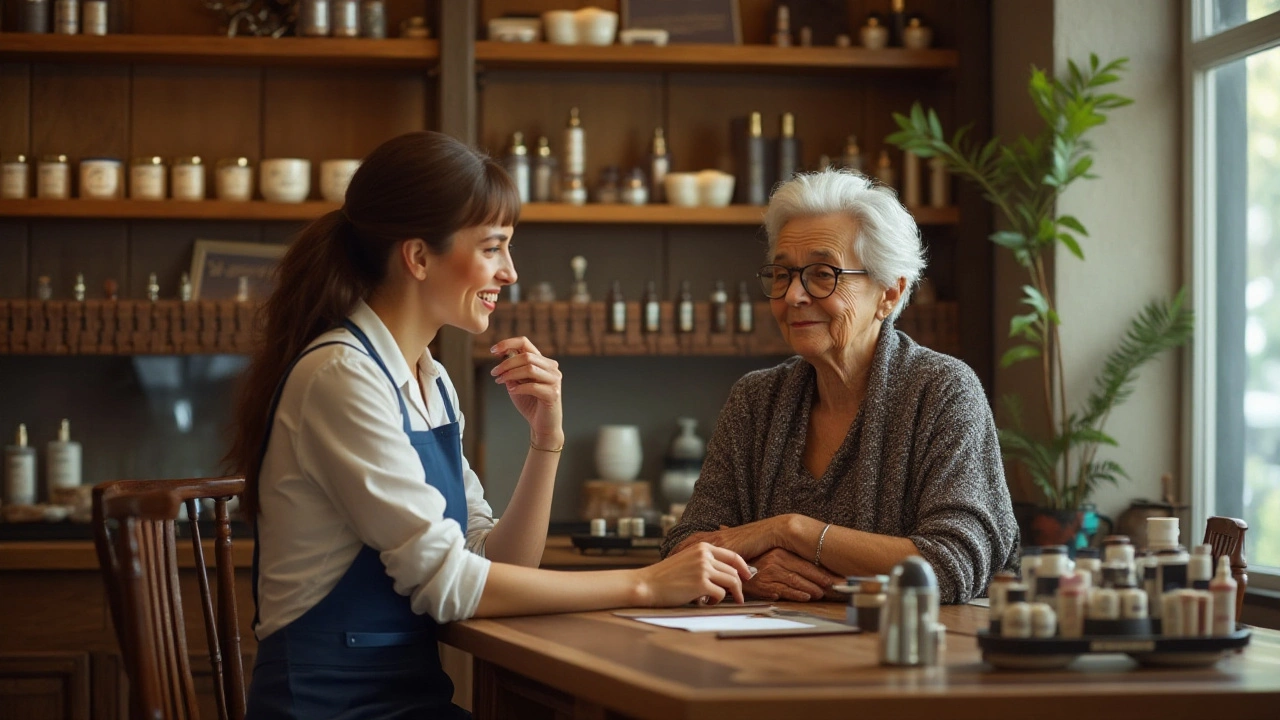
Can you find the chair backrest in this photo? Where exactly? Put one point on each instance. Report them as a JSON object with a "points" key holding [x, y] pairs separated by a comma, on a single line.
{"points": [[133, 524], [1226, 536]]}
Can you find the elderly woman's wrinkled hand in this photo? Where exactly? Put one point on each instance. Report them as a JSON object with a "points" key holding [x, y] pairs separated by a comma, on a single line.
{"points": [[783, 575], [749, 541]]}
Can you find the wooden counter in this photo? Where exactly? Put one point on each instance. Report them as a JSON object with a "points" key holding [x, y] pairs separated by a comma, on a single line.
{"points": [[598, 665]]}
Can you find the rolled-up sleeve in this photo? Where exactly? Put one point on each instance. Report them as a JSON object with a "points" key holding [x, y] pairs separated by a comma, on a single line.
{"points": [[352, 443], [965, 525]]}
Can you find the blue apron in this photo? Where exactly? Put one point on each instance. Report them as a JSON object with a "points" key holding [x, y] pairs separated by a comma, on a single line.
{"points": [[362, 652]]}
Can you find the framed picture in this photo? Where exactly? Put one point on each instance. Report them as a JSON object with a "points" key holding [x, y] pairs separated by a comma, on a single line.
{"points": [[217, 267], [687, 21]]}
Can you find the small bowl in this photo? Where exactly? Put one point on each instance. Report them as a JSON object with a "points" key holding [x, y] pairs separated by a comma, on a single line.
{"points": [[560, 27], [596, 26], [715, 188], [335, 175], [285, 179], [682, 189]]}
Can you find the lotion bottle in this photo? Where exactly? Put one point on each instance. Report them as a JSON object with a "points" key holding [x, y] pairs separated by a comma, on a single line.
{"points": [[63, 463], [20, 470], [1223, 590]]}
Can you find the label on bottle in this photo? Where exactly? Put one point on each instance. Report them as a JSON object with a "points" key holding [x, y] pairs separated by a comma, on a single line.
{"points": [[575, 151], [618, 318], [235, 182], [146, 182], [20, 477], [13, 181], [99, 179], [188, 182], [686, 316], [746, 318], [652, 317], [53, 181], [64, 466], [658, 174]]}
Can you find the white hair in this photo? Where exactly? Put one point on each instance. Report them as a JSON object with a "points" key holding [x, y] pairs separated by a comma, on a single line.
{"points": [[888, 240]]}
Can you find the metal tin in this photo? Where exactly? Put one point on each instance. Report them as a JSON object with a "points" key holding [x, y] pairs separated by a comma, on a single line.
{"points": [[344, 18], [15, 177], [233, 179], [188, 178], [147, 178], [313, 18], [35, 16], [53, 178], [101, 178], [66, 17], [373, 19], [95, 17]]}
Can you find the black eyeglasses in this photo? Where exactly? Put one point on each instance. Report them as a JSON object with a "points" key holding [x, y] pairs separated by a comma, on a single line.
{"points": [[818, 279]]}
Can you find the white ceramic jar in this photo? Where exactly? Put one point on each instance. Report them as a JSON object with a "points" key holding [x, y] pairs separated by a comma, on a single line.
{"points": [[681, 188], [148, 179], [596, 26], [618, 452], [560, 27], [188, 178], [53, 178], [285, 179], [15, 177], [335, 175], [101, 178], [715, 188], [233, 179]]}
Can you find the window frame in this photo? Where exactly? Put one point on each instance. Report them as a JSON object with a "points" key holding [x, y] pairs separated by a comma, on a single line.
{"points": [[1202, 53]]}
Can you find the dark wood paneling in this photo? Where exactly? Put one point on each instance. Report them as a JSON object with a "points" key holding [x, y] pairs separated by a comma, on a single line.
{"points": [[15, 108], [44, 686], [704, 255], [80, 111], [60, 249], [13, 252], [165, 248], [212, 112], [632, 255]]}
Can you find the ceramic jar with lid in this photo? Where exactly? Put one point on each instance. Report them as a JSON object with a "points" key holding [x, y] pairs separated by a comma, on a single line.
{"points": [[188, 178], [233, 179], [15, 177], [148, 178], [53, 177], [101, 178]]}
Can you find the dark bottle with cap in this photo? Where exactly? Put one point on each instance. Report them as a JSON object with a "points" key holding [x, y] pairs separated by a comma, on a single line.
{"points": [[788, 149]]}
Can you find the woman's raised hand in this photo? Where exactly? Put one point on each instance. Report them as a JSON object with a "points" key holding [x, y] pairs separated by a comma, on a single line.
{"points": [[700, 572], [533, 383]]}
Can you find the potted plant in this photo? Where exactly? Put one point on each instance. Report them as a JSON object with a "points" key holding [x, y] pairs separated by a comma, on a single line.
{"points": [[1023, 179]]}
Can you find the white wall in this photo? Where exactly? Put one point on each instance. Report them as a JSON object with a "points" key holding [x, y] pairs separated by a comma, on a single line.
{"points": [[1132, 211]]}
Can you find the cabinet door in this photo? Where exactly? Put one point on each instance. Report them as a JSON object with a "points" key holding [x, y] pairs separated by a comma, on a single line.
{"points": [[44, 685]]}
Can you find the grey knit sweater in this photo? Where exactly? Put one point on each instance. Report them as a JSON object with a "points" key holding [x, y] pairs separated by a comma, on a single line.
{"points": [[920, 461]]}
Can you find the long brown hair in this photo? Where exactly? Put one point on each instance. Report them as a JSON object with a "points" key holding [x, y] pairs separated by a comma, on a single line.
{"points": [[423, 185]]}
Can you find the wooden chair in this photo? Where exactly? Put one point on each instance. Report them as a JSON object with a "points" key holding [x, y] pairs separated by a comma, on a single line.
{"points": [[133, 523], [1226, 536]]}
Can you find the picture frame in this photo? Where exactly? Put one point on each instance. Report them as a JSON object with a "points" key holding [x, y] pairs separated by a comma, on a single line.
{"points": [[687, 21], [218, 265]]}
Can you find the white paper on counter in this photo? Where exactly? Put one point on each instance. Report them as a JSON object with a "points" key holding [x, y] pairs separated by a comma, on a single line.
{"points": [[723, 623]]}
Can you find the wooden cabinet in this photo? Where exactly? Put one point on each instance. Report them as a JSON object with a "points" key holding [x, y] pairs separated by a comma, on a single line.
{"points": [[45, 685]]}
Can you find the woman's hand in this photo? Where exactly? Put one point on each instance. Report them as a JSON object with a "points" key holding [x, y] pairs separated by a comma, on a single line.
{"points": [[783, 575], [533, 383], [751, 540], [701, 572]]}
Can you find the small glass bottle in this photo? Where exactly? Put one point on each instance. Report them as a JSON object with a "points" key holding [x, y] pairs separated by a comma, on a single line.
{"points": [[884, 170], [153, 288], [62, 464], [746, 320], [719, 308], [188, 178], [575, 145], [35, 16], [66, 17], [77, 290], [652, 309], [574, 191], [684, 315], [617, 309], [148, 178], [20, 470], [544, 172], [184, 288], [44, 288], [53, 178], [635, 191], [607, 191], [15, 177], [517, 164], [852, 158], [373, 19], [344, 18], [659, 166]]}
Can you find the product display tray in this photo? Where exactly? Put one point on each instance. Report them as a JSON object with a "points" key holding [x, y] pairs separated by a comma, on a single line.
{"points": [[1154, 650], [613, 543]]}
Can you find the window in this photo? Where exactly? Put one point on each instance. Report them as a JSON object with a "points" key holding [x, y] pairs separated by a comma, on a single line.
{"points": [[1233, 74]]}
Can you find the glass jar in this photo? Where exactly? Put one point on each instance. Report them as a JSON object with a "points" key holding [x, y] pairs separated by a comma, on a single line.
{"points": [[188, 178], [147, 179], [35, 16], [15, 177], [313, 18], [233, 179], [344, 18], [53, 178], [94, 17], [373, 19], [101, 178], [66, 17]]}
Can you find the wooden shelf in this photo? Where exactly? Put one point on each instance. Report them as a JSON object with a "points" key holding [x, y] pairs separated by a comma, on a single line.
{"points": [[657, 214], [711, 58], [125, 327], [220, 50]]}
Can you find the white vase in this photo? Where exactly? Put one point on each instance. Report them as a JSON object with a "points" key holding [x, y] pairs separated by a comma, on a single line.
{"points": [[677, 484], [618, 453]]}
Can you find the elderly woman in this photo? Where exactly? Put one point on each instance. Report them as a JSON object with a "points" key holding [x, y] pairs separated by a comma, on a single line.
{"points": [[866, 448]]}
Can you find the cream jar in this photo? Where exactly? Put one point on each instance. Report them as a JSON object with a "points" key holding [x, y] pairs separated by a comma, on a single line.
{"points": [[188, 178], [335, 176], [233, 179], [15, 177], [285, 179], [101, 178], [53, 178], [147, 179]]}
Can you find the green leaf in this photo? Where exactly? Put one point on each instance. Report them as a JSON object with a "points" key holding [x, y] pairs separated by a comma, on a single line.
{"points": [[935, 125], [1018, 354], [1020, 324], [1009, 239], [1072, 245], [1071, 222], [1033, 297]]}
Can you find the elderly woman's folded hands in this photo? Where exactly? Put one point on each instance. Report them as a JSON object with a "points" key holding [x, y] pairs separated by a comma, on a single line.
{"points": [[780, 573]]}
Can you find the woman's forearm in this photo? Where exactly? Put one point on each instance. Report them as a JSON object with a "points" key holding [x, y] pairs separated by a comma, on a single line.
{"points": [[846, 551], [521, 535], [511, 590]]}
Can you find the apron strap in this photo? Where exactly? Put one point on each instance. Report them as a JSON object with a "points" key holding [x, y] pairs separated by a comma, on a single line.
{"points": [[368, 346], [444, 395]]}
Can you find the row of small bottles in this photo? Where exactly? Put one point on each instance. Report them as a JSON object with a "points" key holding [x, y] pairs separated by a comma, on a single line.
{"points": [[63, 465], [1120, 591], [538, 178], [651, 310], [111, 288]]}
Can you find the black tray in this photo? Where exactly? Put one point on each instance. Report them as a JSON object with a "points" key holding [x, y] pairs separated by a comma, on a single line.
{"points": [[1158, 650], [611, 542]]}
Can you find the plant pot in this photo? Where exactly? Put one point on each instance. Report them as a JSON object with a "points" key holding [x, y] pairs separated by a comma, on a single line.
{"points": [[1050, 526]]}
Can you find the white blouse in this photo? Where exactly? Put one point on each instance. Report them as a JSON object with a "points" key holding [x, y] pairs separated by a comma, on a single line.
{"points": [[340, 473]]}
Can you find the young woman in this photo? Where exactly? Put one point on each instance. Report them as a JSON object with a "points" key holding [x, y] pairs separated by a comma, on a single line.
{"points": [[370, 526]]}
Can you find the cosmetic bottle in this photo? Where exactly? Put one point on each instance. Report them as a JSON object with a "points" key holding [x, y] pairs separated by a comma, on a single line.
{"points": [[788, 149], [897, 22], [20, 470], [659, 166], [852, 158], [751, 186], [884, 170], [910, 179], [1200, 567], [184, 288], [684, 315], [719, 309], [153, 288], [581, 295], [517, 164], [62, 463], [544, 173], [782, 27], [1223, 590], [652, 309], [78, 290], [746, 321], [617, 309], [575, 145]]}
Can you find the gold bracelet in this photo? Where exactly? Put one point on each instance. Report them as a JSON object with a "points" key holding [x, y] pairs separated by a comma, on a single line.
{"points": [[546, 450]]}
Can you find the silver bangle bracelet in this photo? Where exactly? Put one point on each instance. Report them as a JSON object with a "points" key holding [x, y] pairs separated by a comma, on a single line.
{"points": [[817, 556]]}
